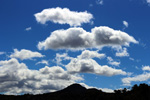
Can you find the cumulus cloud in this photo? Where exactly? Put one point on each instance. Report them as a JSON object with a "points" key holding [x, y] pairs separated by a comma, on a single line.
{"points": [[125, 23], [122, 52], [78, 38], [112, 62], [42, 62], [24, 54], [28, 28], [60, 57], [16, 78], [87, 54], [82, 64], [138, 78], [63, 16], [91, 66], [146, 68]]}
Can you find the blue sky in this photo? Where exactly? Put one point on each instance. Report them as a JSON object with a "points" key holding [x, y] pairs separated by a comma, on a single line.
{"points": [[47, 45]]}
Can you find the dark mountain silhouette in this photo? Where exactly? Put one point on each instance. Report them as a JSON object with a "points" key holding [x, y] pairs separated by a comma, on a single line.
{"points": [[74, 88], [78, 92]]}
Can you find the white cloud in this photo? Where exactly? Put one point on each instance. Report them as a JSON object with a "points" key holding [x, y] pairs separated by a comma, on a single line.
{"points": [[103, 89], [100, 2], [132, 59], [112, 62], [139, 78], [1, 53], [78, 38], [148, 1], [91, 66], [63, 16], [60, 57], [88, 65], [146, 68], [86, 54], [24, 54], [28, 28], [16, 78], [42, 62], [125, 23], [122, 52]]}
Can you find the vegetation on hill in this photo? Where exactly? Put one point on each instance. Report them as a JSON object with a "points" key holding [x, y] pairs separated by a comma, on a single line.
{"points": [[78, 92]]}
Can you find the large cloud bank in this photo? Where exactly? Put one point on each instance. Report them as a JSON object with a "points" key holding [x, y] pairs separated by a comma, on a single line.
{"points": [[16, 78]]}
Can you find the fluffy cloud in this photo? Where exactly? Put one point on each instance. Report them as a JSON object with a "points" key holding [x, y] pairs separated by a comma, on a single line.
{"points": [[139, 78], [16, 78], [82, 64], [63, 16], [24, 54], [112, 62], [91, 66], [86, 54], [60, 57], [122, 52], [146, 68], [78, 38], [125, 23]]}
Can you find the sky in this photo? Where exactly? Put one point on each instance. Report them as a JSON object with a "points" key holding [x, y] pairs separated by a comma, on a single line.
{"points": [[47, 45]]}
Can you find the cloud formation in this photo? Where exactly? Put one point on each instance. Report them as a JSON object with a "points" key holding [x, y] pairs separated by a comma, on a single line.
{"points": [[122, 52], [125, 23], [87, 54], [83, 64], [78, 38], [43, 62], [28, 28], [60, 57], [63, 16], [24, 54], [1, 53], [103, 89], [100, 2], [112, 62], [138, 78], [146, 68], [148, 1], [16, 78]]}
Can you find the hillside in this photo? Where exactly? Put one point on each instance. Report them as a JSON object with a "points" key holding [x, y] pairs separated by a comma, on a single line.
{"points": [[78, 92]]}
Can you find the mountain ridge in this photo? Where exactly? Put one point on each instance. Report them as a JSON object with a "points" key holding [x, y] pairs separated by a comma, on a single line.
{"points": [[78, 92]]}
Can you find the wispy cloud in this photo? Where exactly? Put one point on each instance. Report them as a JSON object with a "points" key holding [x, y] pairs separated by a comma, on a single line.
{"points": [[28, 29], [100, 2], [112, 62], [1, 53]]}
